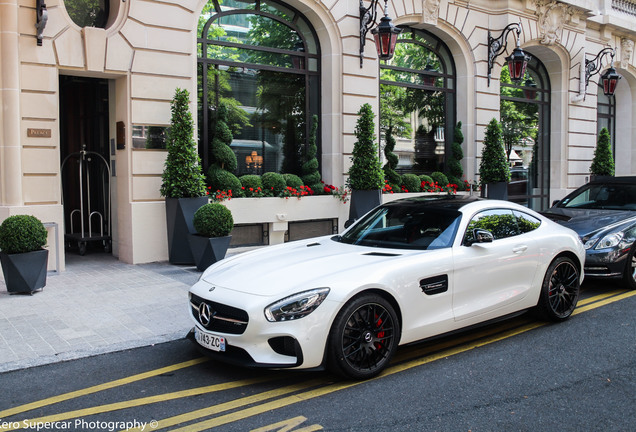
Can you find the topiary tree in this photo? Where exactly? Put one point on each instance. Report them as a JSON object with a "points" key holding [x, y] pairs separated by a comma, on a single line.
{"points": [[394, 179], [220, 180], [213, 220], [440, 178], [221, 155], [22, 233], [293, 181], [311, 176], [603, 162], [273, 183], [182, 176], [493, 167], [411, 183], [251, 185], [365, 172], [455, 170]]}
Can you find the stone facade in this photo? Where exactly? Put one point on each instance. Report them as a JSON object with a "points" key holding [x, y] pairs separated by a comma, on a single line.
{"points": [[148, 48]]}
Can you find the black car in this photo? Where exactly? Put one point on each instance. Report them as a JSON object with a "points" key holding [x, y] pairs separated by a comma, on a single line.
{"points": [[603, 213]]}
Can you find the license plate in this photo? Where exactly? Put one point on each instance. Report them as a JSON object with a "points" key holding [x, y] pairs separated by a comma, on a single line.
{"points": [[209, 340]]}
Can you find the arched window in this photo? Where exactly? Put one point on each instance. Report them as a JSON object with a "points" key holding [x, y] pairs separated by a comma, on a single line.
{"points": [[88, 13], [261, 59], [417, 101], [525, 120], [606, 116]]}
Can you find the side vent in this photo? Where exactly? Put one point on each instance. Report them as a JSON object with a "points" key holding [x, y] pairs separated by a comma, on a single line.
{"points": [[313, 244], [434, 285]]}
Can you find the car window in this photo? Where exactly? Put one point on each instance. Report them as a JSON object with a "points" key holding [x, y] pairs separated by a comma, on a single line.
{"points": [[502, 223], [526, 222], [405, 227], [603, 196]]}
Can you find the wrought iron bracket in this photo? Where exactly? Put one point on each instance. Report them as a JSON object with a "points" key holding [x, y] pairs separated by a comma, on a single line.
{"points": [[368, 17], [41, 17], [498, 45], [592, 67]]}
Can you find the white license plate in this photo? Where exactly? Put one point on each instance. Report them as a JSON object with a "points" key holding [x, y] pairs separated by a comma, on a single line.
{"points": [[209, 340]]}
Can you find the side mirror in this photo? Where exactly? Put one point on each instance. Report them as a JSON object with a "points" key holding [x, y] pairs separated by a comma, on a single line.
{"points": [[482, 236]]}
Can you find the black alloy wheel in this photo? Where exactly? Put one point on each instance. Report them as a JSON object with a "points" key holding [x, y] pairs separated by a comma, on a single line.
{"points": [[560, 290], [363, 338], [629, 275]]}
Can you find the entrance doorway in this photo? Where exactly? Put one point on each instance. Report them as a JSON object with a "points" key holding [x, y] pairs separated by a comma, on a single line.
{"points": [[85, 155]]}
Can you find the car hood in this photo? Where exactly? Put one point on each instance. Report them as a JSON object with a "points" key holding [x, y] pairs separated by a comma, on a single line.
{"points": [[297, 266], [587, 222]]}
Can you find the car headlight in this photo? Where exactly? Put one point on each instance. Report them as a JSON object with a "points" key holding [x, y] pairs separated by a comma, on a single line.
{"points": [[296, 306], [609, 241]]}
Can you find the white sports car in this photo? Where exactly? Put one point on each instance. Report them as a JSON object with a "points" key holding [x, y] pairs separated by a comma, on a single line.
{"points": [[406, 271]]}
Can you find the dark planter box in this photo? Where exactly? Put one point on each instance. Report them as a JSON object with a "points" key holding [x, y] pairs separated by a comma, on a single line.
{"points": [[362, 201], [25, 272], [497, 190], [208, 250], [179, 222]]}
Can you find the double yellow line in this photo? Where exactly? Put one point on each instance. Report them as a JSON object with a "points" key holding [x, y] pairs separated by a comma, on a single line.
{"points": [[288, 395]]}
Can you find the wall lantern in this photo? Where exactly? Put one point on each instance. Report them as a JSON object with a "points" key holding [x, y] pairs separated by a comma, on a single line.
{"points": [[609, 78], [385, 34], [298, 61], [530, 90], [41, 17], [517, 61], [429, 79]]}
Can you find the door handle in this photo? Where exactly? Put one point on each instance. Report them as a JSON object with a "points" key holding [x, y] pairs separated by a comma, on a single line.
{"points": [[520, 249]]}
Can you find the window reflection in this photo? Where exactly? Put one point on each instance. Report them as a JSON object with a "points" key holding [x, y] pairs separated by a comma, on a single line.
{"points": [[260, 59], [88, 13], [149, 137], [416, 102]]}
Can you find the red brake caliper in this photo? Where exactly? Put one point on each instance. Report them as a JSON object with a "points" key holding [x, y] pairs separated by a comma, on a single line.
{"points": [[380, 335]]}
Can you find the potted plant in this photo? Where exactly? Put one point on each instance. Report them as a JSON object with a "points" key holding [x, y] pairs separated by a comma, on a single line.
{"points": [[183, 183], [24, 260], [213, 223], [603, 162], [366, 178], [494, 172]]}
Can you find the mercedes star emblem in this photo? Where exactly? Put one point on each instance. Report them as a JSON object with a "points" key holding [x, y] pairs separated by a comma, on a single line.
{"points": [[205, 314]]}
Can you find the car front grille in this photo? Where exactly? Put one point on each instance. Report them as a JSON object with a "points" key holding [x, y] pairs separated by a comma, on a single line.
{"points": [[223, 318]]}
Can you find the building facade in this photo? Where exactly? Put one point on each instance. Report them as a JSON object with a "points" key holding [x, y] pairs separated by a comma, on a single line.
{"points": [[86, 91]]}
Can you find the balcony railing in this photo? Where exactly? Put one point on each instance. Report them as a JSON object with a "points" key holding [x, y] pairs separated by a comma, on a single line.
{"points": [[625, 6]]}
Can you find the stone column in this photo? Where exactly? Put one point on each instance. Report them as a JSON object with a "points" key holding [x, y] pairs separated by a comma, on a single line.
{"points": [[10, 146]]}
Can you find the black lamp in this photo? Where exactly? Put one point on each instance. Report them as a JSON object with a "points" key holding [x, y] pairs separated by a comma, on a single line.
{"points": [[609, 78], [385, 34], [517, 61], [530, 90]]}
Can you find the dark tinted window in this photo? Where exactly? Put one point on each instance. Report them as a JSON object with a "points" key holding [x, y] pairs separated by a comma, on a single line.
{"points": [[405, 227], [603, 196]]}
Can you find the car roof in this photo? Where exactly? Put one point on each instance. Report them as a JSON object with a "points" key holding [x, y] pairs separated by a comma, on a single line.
{"points": [[448, 202], [612, 179]]}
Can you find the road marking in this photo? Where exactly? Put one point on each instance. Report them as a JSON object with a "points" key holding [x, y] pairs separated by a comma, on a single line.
{"points": [[290, 400], [116, 406], [406, 360], [99, 387], [237, 403]]}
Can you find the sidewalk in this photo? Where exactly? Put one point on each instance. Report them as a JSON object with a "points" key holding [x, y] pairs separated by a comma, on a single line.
{"points": [[98, 305]]}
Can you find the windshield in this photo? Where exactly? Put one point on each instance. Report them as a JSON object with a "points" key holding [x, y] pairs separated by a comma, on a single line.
{"points": [[405, 227], [603, 196]]}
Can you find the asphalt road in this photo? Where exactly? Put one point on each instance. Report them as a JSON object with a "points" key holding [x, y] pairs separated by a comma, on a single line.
{"points": [[516, 375]]}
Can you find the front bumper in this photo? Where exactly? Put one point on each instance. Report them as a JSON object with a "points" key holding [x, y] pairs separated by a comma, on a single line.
{"points": [[605, 263], [256, 342]]}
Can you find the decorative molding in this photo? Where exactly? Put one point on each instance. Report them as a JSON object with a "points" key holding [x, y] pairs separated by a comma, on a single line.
{"points": [[627, 50], [552, 17], [430, 11]]}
